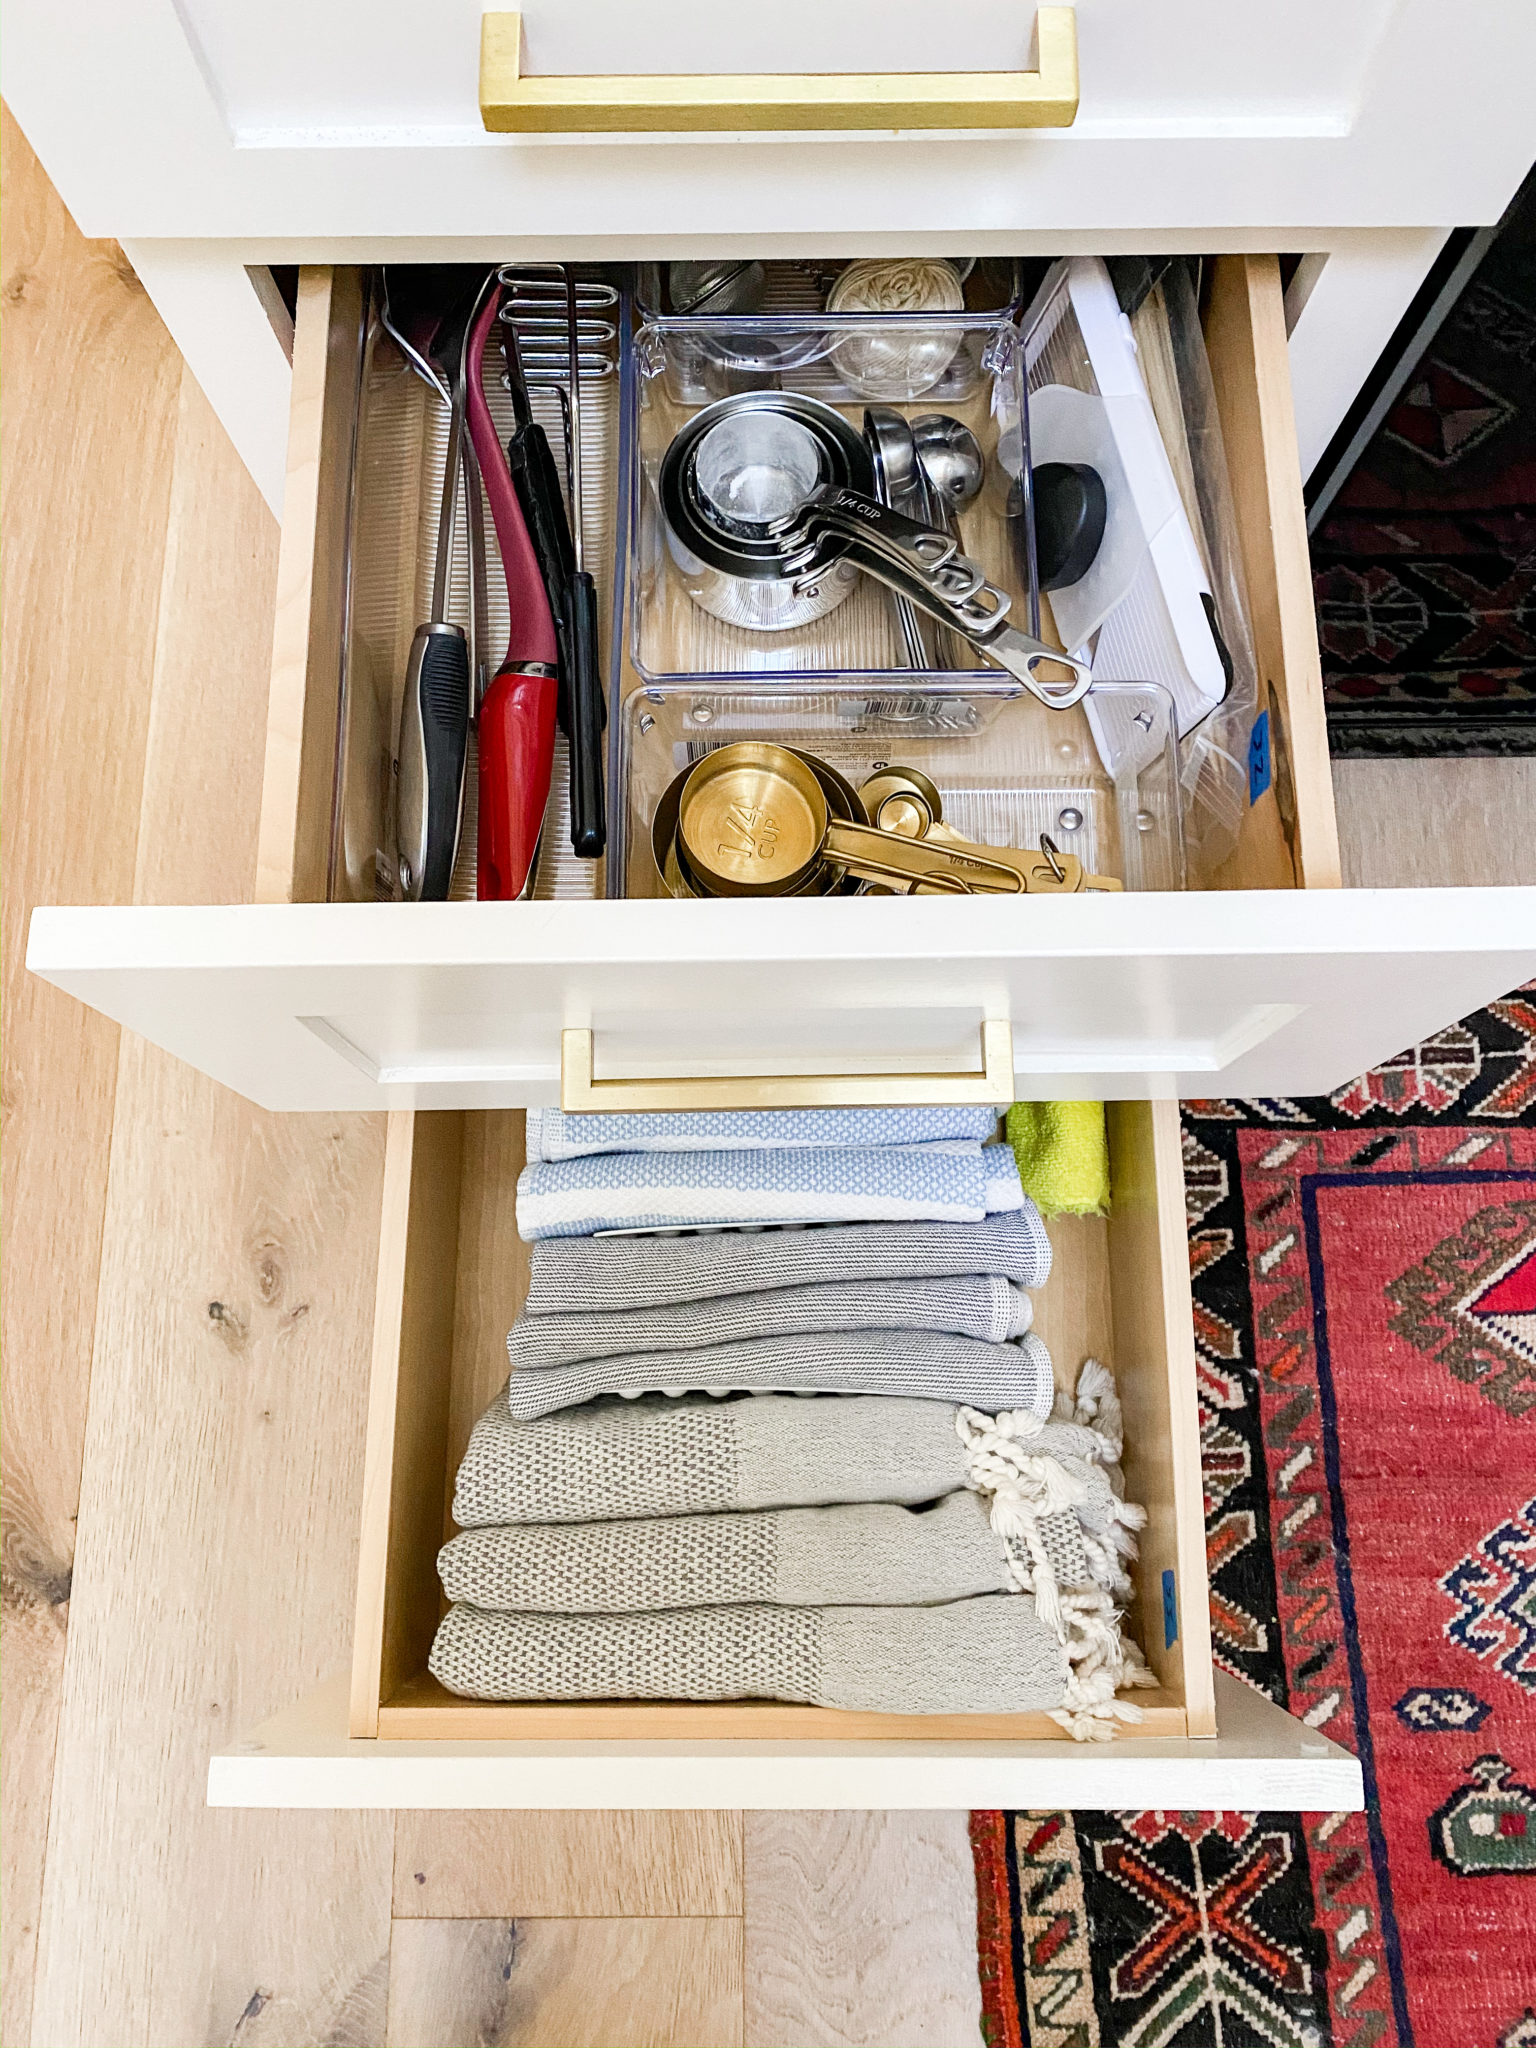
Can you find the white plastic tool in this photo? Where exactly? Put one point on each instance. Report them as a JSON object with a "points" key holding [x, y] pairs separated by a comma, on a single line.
{"points": [[1072, 426], [1147, 594]]}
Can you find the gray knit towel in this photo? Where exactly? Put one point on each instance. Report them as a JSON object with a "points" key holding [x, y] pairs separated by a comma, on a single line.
{"points": [[925, 1365], [990, 1655], [601, 1274], [869, 1556], [979, 1305], [1054, 1494], [619, 1459], [582, 1275]]}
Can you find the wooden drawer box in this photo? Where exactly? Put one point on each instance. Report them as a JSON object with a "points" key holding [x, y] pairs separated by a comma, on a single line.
{"points": [[1272, 980], [451, 1275]]}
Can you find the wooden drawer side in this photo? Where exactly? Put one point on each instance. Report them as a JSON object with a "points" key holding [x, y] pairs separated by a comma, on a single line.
{"points": [[404, 1513], [293, 854], [1290, 836], [1155, 1372]]}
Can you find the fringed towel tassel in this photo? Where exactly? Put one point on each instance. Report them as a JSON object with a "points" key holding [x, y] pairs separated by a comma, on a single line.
{"points": [[1028, 1489]]}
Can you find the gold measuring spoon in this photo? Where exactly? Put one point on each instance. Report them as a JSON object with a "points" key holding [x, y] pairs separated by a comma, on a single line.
{"points": [[907, 802]]}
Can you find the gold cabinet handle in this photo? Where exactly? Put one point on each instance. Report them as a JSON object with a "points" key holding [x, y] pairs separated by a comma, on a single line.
{"points": [[991, 1083], [512, 103]]}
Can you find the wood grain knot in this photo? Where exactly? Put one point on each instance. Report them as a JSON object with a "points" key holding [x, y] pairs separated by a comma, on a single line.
{"points": [[32, 1579], [269, 1273], [230, 1324]]}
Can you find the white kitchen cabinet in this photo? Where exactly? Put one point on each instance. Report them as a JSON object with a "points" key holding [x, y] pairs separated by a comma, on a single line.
{"points": [[1272, 981], [213, 140], [322, 124]]}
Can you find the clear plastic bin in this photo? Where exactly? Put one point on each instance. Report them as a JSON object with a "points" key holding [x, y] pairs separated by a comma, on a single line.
{"points": [[966, 365], [1000, 285], [1008, 769]]}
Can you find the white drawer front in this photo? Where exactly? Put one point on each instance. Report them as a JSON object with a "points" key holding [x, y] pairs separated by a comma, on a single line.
{"points": [[199, 118], [316, 1006], [1261, 1759]]}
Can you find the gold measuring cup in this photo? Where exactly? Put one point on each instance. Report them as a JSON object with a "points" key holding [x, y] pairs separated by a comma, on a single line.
{"points": [[905, 801], [825, 880], [753, 820]]}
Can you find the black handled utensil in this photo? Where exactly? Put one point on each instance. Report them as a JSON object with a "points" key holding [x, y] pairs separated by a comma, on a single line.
{"points": [[572, 593], [589, 712], [436, 702], [434, 712]]}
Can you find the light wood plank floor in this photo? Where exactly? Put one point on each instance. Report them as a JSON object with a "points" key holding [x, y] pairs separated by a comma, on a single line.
{"points": [[186, 1301]]}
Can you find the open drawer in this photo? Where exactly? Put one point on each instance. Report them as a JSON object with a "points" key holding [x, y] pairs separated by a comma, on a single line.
{"points": [[1270, 981], [452, 1273]]}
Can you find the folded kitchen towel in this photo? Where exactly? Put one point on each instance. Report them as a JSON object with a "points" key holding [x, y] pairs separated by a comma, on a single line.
{"points": [[1062, 1151], [583, 1275], [671, 1190], [553, 1134], [979, 1305], [925, 1365], [617, 1459], [872, 1555], [990, 1655], [1054, 1495]]}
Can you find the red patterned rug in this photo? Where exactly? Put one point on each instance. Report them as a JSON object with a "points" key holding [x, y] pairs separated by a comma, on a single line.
{"points": [[1365, 1278]]}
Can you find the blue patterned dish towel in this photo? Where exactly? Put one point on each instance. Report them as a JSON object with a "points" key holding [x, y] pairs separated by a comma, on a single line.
{"points": [[960, 1181], [553, 1135]]}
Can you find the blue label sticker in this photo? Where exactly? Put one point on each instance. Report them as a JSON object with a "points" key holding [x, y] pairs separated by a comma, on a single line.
{"points": [[1258, 758], [1170, 1612]]}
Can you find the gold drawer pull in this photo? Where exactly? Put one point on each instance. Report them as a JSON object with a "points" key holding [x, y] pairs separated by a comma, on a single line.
{"points": [[993, 1083], [511, 103]]}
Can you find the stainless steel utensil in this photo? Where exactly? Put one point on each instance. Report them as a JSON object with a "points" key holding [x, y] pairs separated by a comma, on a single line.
{"points": [[722, 285], [435, 704], [790, 571], [951, 460], [952, 470], [941, 581], [889, 440], [732, 567]]}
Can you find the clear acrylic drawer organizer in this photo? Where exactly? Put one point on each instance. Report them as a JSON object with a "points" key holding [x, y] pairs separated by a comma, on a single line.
{"points": [[1007, 768], [968, 365]]}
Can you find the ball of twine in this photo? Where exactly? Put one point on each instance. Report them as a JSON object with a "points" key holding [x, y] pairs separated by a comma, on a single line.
{"points": [[902, 363]]}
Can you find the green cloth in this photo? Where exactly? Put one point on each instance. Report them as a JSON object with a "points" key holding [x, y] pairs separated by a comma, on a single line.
{"points": [[1063, 1155]]}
